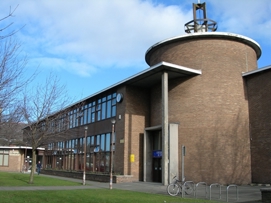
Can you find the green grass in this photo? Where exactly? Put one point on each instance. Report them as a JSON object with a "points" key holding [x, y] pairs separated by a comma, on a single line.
{"points": [[89, 196], [21, 179], [75, 196]]}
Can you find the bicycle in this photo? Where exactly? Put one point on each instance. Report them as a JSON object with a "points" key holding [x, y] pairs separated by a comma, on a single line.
{"points": [[176, 187]]}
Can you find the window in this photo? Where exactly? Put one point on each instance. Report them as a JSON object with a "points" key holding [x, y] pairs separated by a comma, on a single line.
{"points": [[93, 112], [107, 142], [85, 114], [103, 108], [102, 142], [4, 155]]}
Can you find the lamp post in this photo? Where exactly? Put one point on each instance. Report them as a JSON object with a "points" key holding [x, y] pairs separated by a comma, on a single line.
{"points": [[85, 155], [113, 121]]}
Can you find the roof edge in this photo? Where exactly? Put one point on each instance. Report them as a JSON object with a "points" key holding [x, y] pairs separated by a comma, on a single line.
{"points": [[200, 35], [256, 71]]}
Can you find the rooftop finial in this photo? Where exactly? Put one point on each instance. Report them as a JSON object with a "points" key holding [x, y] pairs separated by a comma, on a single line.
{"points": [[202, 24]]}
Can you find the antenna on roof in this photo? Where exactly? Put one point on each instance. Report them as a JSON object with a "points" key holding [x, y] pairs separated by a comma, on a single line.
{"points": [[201, 24]]}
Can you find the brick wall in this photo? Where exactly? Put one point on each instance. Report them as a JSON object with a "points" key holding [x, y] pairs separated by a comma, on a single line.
{"points": [[16, 161], [212, 108], [92, 177], [258, 87]]}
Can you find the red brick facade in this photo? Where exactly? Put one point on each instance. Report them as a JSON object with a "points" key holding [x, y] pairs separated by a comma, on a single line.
{"points": [[258, 88]]}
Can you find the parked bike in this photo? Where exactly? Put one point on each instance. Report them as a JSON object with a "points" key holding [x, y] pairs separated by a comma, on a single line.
{"points": [[177, 186]]}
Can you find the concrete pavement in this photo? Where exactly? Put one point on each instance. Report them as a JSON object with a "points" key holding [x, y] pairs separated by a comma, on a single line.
{"points": [[249, 194]]}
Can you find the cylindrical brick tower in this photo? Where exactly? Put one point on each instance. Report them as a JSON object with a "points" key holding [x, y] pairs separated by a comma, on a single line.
{"points": [[212, 108]]}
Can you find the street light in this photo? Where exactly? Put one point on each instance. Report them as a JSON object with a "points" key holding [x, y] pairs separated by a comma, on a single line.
{"points": [[85, 154], [113, 121]]}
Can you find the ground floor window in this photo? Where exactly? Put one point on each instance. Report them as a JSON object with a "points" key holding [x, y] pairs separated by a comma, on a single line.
{"points": [[4, 156]]}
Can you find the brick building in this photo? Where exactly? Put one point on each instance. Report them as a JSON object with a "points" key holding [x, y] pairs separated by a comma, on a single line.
{"points": [[201, 92]]}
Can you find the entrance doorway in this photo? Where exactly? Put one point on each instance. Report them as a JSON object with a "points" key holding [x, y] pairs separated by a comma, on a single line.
{"points": [[157, 170], [157, 156]]}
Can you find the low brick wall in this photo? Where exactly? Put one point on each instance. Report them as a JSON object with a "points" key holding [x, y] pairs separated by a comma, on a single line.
{"points": [[266, 195], [90, 176]]}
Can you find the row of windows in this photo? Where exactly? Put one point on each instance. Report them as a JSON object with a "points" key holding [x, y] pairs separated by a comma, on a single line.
{"points": [[94, 111], [97, 143], [88, 113]]}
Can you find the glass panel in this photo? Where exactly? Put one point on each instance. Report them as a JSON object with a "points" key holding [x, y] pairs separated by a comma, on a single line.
{"points": [[107, 142], [85, 115], [114, 95], [107, 162], [88, 144], [98, 115], [89, 115], [108, 110], [109, 97], [103, 110], [1, 159], [114, 101], [98, 140], [97, 162], [5, 160], [91, 162], [114, 111], [102, 142], [93, 117], [103, 99]]}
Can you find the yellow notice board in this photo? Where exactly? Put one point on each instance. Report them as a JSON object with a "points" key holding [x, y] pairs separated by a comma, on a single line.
{"points": [[132, 158]]}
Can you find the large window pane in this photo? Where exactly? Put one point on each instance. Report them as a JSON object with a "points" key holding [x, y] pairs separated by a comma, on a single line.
{"points": [[103, 110], [114, 111], [5, 163], [102, 142], [108, 110], [107, 142]]}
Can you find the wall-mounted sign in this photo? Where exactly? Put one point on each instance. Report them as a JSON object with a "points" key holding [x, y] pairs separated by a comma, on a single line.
{"points": [[132, 158], [157, 154]]}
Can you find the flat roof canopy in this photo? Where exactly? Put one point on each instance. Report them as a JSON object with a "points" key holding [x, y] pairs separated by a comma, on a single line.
{"points": [[152, 75]]}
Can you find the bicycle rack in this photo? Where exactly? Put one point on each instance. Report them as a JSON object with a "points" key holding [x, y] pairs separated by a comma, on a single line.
{"points": [[227, 199], [201, 183], [183, 187], [215, 184]]}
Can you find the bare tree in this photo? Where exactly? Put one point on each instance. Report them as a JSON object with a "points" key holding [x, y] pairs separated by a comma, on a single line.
{"points": [[11, 128], [12, 80], [47, 119]]}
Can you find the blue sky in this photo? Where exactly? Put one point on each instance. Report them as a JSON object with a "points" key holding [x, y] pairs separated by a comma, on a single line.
{"points": [[94, 44]]}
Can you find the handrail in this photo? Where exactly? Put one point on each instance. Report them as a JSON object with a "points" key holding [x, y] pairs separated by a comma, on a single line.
{"points": [[201, 183], [215, 184], [228, 192]]}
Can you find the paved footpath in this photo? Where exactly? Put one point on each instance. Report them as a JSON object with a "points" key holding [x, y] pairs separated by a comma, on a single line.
{"points": [[249, 194]]}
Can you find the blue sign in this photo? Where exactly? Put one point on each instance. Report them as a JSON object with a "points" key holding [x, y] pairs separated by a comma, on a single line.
{"points": [[157, 154]]}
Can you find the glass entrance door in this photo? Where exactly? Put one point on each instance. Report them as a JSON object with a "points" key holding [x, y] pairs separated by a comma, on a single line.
{"points": [[157, 170]]}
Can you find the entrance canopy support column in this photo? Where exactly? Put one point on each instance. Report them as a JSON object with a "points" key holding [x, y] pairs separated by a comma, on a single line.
{"points": [[165, 128]]}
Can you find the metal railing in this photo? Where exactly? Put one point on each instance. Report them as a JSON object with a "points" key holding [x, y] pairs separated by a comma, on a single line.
{"points": [[217, 185], [227, 198], [201, 183]]}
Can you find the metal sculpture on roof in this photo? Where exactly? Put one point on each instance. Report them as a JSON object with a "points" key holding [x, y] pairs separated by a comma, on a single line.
{"points": [[200, 22]]}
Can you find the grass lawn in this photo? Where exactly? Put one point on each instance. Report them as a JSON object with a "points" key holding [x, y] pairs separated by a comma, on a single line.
{"points": [[22, 179], [75, 196], [89, 196]]}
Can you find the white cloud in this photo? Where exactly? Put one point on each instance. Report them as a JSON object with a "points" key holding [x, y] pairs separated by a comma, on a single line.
{"points": [[100, 33], [89, 35], [247, 17]]}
